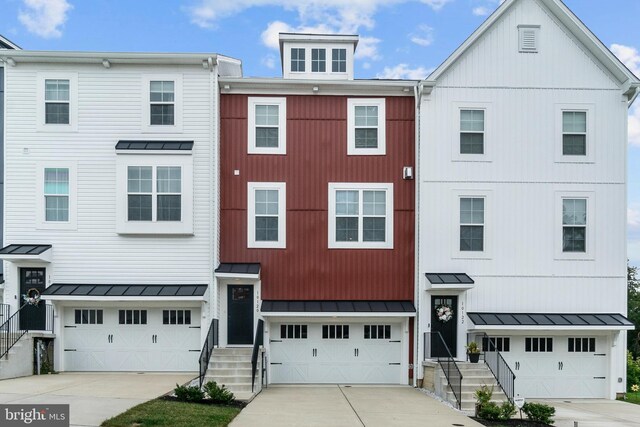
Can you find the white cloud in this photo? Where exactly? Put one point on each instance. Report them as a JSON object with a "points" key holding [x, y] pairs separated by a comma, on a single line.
{"points": [[481, 11], [270, 35], [269, 61], [633, 218], [344, 16], [44, 17], [366, 65], [368, 48], [423, 36], [402, 71], [630, 57]]}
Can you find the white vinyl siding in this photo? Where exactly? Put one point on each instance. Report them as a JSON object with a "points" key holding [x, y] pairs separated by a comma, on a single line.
{"points": [[366, 126], [267, 125], [266, 215]]}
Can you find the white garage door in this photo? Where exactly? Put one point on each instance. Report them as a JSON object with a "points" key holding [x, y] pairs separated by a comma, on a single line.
{"points": [[127, 339], [574, 366], [336, 353]]}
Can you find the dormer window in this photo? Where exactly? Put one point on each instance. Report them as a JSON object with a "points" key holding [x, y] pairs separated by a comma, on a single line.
{"points": [[318, 60], [297, 60], [339, 60]]}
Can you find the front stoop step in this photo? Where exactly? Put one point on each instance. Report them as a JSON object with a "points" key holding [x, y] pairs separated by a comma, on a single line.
{"points": [[474, 376], [231, 367]]}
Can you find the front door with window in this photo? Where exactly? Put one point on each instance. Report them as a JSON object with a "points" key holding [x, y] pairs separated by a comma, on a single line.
{"points": [[447, 328], [239, 314], [32, 317]]}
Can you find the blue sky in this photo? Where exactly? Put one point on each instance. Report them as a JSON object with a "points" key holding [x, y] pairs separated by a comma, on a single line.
{"points": [[399, 38]]}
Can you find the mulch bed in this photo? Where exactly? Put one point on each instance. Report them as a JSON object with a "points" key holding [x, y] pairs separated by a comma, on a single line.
{"points": [[236, 403], [514, 422]]}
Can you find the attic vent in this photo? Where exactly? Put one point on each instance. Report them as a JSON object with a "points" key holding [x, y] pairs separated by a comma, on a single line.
{"points": [[528, 38]]}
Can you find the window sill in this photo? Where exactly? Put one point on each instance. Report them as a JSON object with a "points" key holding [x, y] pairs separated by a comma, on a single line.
{"points": [[577, 160], [359, 245], [155, 228]]}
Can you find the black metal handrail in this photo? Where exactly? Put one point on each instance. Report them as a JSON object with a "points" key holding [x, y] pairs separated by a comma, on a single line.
{"points": [[499, 367], [5, 312], [210, 342], [448, 364], [257, 343], [11, 330]]}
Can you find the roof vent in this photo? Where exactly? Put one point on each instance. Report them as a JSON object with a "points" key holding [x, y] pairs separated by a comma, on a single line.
{"points": [[528, 38]]}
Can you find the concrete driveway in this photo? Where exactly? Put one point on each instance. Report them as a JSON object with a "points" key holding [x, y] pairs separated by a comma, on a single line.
{"points": [[334, 406], [93, 397], [594, 413]]}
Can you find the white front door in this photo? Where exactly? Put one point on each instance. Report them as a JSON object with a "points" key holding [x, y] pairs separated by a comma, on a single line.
{"points": [[552, 366], [348, 352], [131, 339]]}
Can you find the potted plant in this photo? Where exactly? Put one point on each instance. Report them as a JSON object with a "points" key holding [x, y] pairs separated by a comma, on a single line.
{"points": [[474, 352]]}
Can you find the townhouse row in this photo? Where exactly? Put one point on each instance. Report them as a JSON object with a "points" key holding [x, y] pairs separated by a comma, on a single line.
{"points": [[157, 200]]}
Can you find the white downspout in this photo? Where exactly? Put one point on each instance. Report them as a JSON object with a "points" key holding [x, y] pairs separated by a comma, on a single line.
{"points": [[416, 323]]}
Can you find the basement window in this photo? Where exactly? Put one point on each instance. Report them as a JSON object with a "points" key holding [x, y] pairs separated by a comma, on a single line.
{"points": [[528, 38]]}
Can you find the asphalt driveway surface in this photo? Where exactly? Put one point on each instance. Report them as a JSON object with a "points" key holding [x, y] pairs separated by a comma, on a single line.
{"points": [[594, 413], [93, 397], [335, 406]]}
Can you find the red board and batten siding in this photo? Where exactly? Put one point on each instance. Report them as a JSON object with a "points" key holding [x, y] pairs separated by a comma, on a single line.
{"points": [[317, 155]]}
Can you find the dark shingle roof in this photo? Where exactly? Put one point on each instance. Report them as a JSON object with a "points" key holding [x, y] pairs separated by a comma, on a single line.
{"points": [[338, 306], [238, 268], [65, 289], [549, 319], [32, 249], [154, 145]]}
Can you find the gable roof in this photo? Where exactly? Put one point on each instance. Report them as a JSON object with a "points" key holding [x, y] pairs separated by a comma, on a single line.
{"points": [[626, 79], [5, 43]]}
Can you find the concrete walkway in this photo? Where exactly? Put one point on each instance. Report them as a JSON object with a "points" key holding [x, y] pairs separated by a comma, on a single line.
{"points": [[594, 413], [93, 397], [335, 406]]}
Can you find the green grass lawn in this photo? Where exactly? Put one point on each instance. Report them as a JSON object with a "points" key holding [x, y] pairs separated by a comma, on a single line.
{"points": [[160, 413], [633, 397]]}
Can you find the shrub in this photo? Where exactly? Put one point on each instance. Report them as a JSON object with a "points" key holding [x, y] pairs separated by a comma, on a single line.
{"points": [[507, 410], [489, 411], [633, 370], [189, 393], [219, 394], [483, 395], [539, 412]]}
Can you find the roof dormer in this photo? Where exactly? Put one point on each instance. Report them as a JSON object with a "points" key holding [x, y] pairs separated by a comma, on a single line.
{"points": [[317, 56]]}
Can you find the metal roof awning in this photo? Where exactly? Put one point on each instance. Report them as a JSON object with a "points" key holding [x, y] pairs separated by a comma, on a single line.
{"points": [[120, 292], [338, 308], [155, 145], [26, 252], [238, 270], [449, 281], [550, 321]]}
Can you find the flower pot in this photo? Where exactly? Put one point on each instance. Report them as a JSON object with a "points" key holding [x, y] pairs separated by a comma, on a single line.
{"points": [[474, 357]]}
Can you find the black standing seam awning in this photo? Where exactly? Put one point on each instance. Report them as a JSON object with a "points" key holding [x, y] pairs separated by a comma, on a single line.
{"points": [[449, 278], [550, 319], [24, 249], [238, 268], [155, 145], [280, 306], [64, 289]]}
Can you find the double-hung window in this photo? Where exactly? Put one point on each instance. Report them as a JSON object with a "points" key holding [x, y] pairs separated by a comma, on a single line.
{"points": [[162, 98], [57, 101], [574, 225], [471, 224], [56, 194], [366, 127], [266, 223], [339, 60], [574, 133], [361, 215], [146, 202], [298, 60], [318, 60], [267, 125], [471, 131]]}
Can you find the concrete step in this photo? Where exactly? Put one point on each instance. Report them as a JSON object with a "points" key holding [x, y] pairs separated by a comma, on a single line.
{"points": [[226, 372], [233, 351], [222, 379], [229, 364]]}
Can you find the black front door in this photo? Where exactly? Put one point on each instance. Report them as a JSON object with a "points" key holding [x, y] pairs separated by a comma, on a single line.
{"points": [[447, 328], [240, 314], [32, 317]]}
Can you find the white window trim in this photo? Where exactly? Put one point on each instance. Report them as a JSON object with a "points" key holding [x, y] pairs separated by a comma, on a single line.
{"points": [[182, 227], [456, 156], [282, 125], [352, 103], [590, 109], [307, 60], [487, 195], [41, 223], [145, 91], [73, 102], [389, 236], [281, 187], [326, 60], [589, 255]]}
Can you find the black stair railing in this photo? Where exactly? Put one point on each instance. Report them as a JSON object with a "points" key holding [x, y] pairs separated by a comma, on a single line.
{"points": [[11, 330], [210, 342], [498, 366], [5, 312], [258, 341], [434, 340]]}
